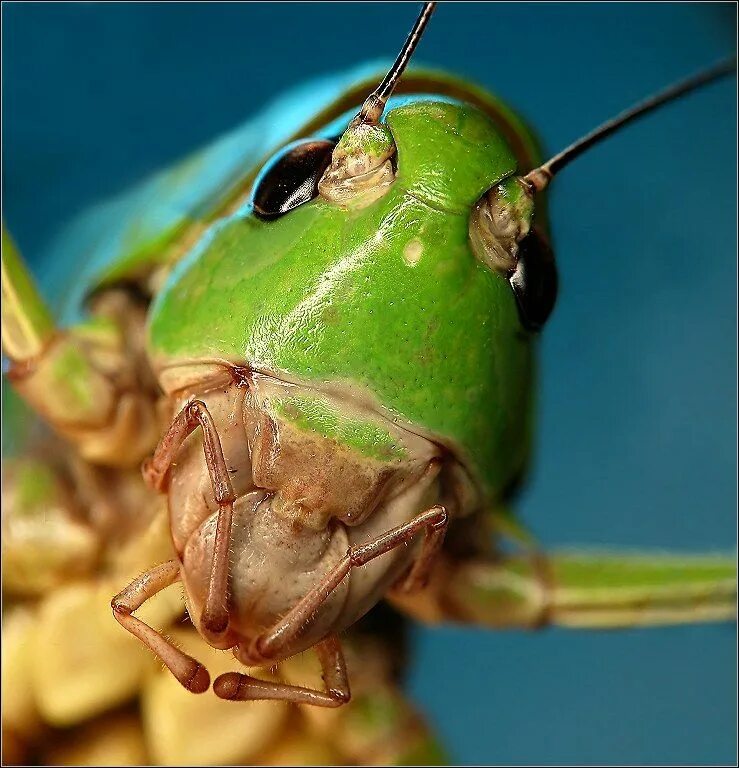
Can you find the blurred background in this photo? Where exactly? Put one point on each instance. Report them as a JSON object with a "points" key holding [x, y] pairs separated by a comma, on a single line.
{"points": [[637, 412]]}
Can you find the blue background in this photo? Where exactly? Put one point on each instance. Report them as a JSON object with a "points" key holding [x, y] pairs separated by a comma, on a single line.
{"points": [[637, 410]]}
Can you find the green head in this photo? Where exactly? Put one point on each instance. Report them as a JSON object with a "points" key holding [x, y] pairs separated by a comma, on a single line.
{"points": [[395, 282], [398, 265]]}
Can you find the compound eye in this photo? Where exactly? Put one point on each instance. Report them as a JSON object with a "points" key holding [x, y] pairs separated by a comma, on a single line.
{"points": [[291, 177], [534, 281]]}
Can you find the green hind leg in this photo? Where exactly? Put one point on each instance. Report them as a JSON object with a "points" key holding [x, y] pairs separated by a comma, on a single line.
{"points": [[82, 381], [597, 590]]}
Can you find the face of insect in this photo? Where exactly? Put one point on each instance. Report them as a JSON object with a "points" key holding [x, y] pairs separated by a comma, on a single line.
{"points": [[375, 288], [356, 341]]}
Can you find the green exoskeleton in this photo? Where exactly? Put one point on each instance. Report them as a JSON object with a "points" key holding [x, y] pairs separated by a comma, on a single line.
{"points": [[339, 356]]}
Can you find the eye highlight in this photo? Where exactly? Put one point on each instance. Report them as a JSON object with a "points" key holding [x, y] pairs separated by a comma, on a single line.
{"points": [[291, 177]]}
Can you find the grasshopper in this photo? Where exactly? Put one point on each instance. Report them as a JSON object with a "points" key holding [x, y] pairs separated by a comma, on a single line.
{"points": [[331, 356]]}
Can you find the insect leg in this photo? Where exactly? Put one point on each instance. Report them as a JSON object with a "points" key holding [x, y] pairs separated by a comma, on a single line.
{"points": [[433, 522], [215, 614], [84, 381], [421, 569], [193, 675], [595, 590], [239, 687]]}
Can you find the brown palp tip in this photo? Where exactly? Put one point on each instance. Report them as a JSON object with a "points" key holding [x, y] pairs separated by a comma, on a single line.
{"points": [[215, 623], [227, 685], [200, 680]]}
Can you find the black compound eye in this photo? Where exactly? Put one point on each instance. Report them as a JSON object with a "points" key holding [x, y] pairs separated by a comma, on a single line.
{"points": [[534, 281], [291, 177]]}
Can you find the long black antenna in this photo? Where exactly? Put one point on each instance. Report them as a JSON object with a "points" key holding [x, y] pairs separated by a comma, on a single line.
{"points": [[374, 105], [540, 177]]}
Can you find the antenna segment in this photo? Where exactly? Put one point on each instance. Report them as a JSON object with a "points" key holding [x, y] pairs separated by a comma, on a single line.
{"points": [[540, 177], [374, 105]]}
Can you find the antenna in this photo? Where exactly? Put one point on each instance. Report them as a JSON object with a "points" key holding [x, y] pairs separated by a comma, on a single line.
{"points": [[374, 105], [540, 177]]}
